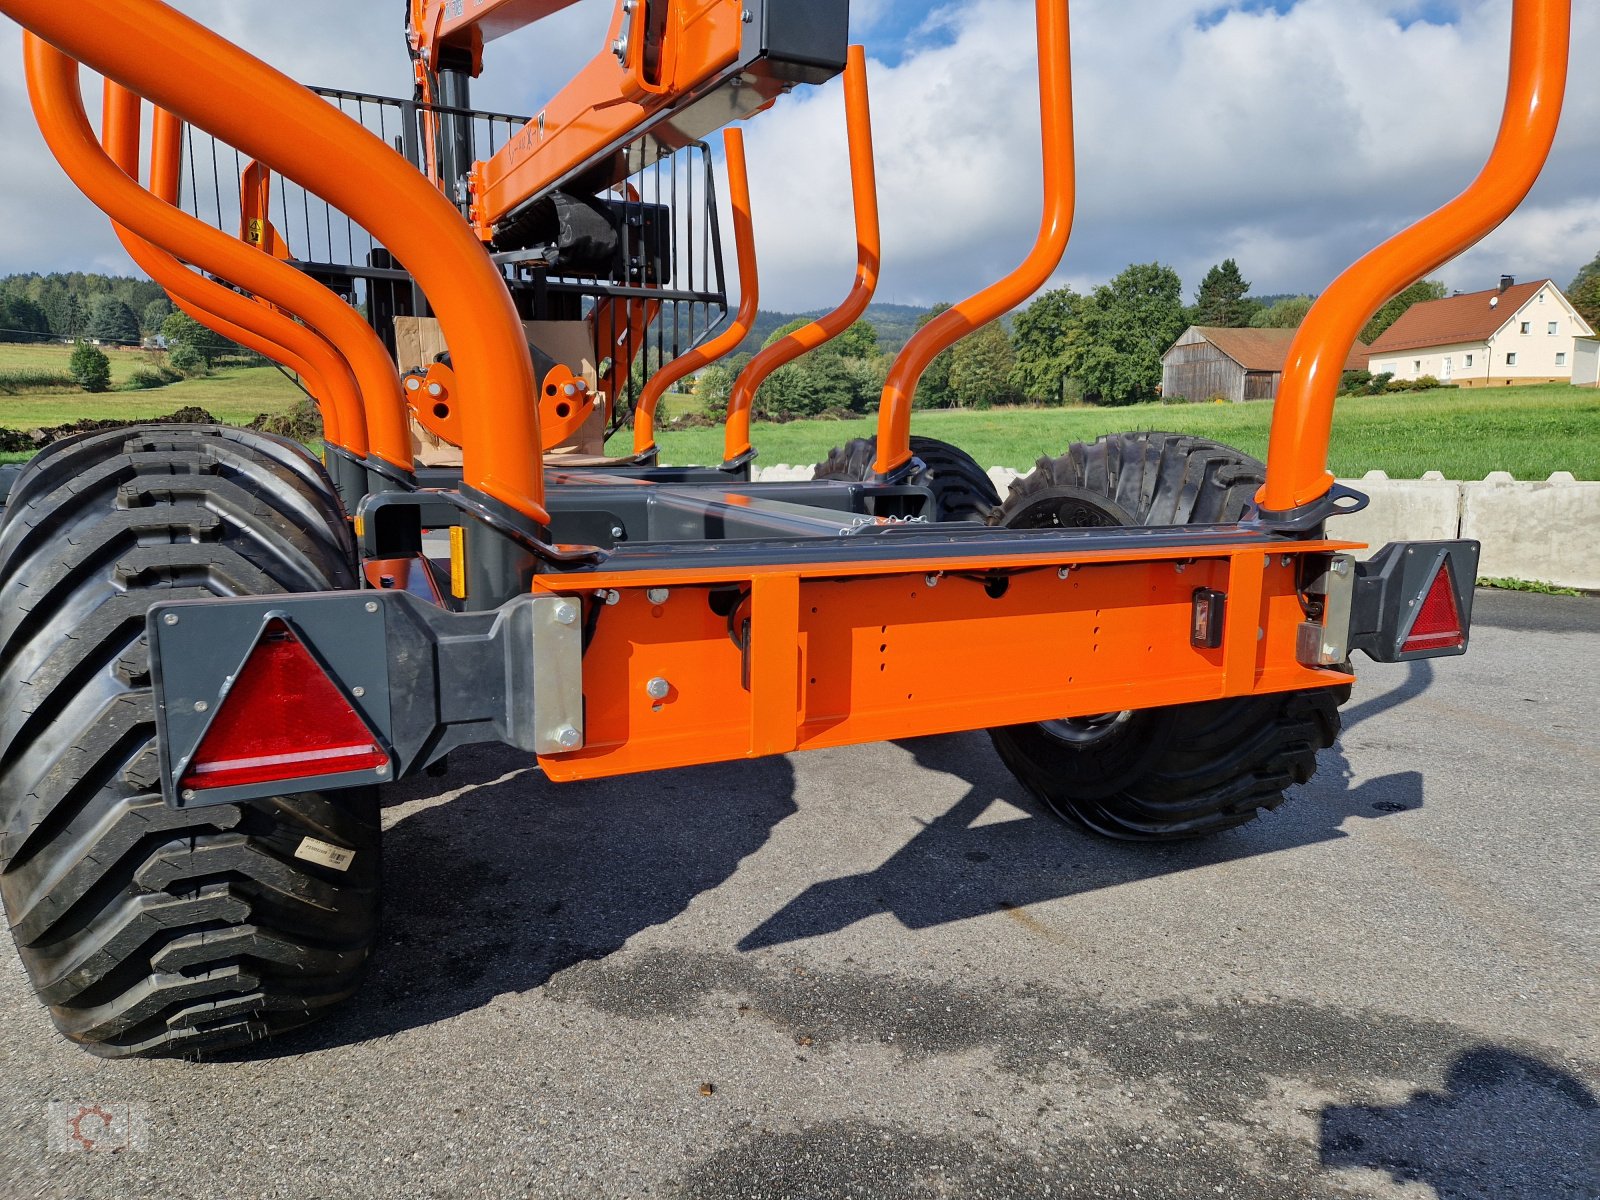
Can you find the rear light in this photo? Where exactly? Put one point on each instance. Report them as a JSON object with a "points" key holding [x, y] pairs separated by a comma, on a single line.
{"points": [[283, 718], [1438, 623]]}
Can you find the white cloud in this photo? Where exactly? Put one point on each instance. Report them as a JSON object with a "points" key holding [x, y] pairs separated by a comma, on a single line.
{"points": [[1290, 141]]}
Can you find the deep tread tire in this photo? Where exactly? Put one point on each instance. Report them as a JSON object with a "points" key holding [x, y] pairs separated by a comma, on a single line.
{"points": [[962, 490], [1161, 773], [144, 929]]}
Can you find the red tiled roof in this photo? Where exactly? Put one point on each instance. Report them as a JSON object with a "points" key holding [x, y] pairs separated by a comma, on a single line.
{"points": [[1455, 319], [1266, 349]]}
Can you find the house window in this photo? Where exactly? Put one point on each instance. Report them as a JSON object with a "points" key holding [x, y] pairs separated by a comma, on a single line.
{"points": [[1552, 328], [1469, 360], [1511, 359], [1561, 358], [1527, 327], [1416, 365]]}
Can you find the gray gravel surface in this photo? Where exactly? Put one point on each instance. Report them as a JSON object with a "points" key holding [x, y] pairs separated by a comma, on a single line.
{"points": [[883, 972]]}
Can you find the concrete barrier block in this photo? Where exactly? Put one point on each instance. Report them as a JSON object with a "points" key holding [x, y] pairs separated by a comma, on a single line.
{"points": [[1542, 532], [1003, 478], [1401, 510], [784, 473]]}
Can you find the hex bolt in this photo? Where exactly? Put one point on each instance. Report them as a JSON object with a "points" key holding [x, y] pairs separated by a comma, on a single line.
{"points": [[170, 618], [201, 706], [413, 384], [616, 531], [658, 688], [566, 614], [570, 390], [613, 597], [569, 737], [381, 770], [188, 794], [1341, 566], [931, 580], [657, 595], [435, 390], [358, 692], [372, 606], [1063, 572]]}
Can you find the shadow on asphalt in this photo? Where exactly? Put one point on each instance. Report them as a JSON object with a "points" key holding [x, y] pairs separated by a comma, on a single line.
{"points": [[1505, 1125], [502, 885], [956, 868]]}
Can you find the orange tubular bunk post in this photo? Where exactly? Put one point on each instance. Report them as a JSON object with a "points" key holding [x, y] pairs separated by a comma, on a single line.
{"points": [[644, 436], [864, 181], [1302, 420], [945, 330], [58, 104], [223, 90], [233, 316]]}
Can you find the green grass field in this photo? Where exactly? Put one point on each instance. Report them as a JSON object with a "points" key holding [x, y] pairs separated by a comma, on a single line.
{"points": [[234, 394], [1529, 431]]}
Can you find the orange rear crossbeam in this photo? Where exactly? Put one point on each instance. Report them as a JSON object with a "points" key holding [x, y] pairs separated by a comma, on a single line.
{"points": [[846, 653]]}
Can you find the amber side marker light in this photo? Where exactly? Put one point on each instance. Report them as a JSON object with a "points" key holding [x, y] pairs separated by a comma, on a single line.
{"points": [[1438, 623], [283, 718]]}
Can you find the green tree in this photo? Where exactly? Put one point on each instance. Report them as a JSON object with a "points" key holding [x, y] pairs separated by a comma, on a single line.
{"points": [[1127, 325], [1041, 334], [21, 320], [110, 320], [155, 315], [981, 366], [186, 360], [1585, 293], [1221, 302], [1285, 314], [859, 341], [933, 389], [714, 384], [89, 368], [1423, 289], [180, 329], [783, 331]]}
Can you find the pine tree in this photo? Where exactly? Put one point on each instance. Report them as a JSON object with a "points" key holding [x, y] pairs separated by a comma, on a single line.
{"points": [[1220, 302]]}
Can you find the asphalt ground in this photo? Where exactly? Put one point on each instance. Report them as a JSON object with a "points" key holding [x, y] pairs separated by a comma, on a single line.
{"points": [[883, 972]]}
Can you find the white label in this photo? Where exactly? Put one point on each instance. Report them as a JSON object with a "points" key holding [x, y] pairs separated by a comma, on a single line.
{"points": [[336, 857]]}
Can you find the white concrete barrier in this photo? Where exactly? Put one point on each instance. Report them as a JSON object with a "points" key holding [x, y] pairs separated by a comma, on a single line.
{"points": [[1542, 532]]}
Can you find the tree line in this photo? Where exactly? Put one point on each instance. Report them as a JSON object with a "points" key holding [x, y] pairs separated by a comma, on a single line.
{"points": [[1100, 347], [63, 306]]}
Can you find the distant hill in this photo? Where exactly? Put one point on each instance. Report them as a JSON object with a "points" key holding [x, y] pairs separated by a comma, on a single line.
{"points": [[895, 324]]}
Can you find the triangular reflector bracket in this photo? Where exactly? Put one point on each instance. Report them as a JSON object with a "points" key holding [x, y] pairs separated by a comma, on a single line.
{"points": [[282, 719], [1438, 623]]}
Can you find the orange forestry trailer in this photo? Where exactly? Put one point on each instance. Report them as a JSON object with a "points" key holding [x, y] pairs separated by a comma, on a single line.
{"points": [[215, 647]]}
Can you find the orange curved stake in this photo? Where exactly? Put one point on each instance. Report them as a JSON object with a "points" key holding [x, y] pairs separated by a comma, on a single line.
{"points": [[644, 436], [1302, 420], [949, 327], [235, 317], [222, 89], [53, 88], [864, 180], [255, 207]]}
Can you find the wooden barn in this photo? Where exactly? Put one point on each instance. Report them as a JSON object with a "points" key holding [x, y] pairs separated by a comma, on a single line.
{"points": [[1236, 364]]}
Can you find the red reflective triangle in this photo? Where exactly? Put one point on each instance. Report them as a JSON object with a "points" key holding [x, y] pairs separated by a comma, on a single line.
{"points": [[283, 718], [1438, 623]]}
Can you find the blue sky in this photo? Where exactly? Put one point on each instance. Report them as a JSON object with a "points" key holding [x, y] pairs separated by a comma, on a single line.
{"points": [[1289, 136]]}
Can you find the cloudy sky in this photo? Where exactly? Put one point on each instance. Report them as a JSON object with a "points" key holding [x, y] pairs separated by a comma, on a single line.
{"points": [[1290, 136]]}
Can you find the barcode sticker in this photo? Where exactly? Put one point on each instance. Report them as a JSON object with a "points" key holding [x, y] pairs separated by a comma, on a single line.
{"points": [[336, 857]]}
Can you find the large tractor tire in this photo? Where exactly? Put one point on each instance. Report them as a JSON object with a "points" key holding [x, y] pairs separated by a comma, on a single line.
{"points": [[962, 491], [1160, 773], [147, 930]]}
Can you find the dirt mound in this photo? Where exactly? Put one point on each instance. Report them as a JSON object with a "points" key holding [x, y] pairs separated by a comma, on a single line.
{"points": [[15, 441]]}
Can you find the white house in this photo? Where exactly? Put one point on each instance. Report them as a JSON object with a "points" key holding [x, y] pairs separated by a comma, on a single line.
{"points": [[1516, 333]]}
